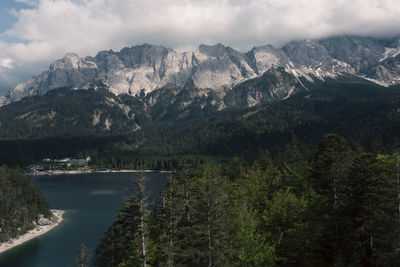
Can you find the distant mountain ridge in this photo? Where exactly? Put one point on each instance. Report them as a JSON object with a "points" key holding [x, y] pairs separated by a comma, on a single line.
{"points": [[219, 69]]}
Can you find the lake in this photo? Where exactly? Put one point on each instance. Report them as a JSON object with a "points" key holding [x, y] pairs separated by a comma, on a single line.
{"points": [[91, 202]]}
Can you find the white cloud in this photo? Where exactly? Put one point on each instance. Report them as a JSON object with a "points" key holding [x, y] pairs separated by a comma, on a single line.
{"points": [[6, 63], [50, 28]]}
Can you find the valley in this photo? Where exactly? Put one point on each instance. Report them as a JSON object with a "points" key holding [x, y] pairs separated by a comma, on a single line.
{"points": [[274, 155]]}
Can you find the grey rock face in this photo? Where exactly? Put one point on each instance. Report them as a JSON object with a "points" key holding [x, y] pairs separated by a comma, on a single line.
{"points": [[42, 221], [388, 67], [274, 84], [219, 68], [264, 57], [307, 53], [361, 53]]}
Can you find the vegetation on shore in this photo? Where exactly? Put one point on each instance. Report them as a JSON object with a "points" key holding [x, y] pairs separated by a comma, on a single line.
{"points": [[358, 110], [315, 201], [338, 207], [20, 203]]}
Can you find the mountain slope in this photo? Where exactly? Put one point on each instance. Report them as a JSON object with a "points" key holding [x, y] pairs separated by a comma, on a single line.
{"points": [[350, 106], [94, 110], [226, 103], [66, 112], [358, 110], [219, 68]]}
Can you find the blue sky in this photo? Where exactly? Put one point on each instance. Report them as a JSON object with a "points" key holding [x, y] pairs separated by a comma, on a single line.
{"points": [[6, 19], [41, 31]]}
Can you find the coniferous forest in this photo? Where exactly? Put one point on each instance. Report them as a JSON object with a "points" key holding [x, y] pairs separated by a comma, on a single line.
{"points": [[338, 206], [20, 203], [211, 133]]}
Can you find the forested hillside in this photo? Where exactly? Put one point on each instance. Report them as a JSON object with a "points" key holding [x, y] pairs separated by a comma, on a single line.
{"points": [[359, 110], [65, 112], [20, 203], [338, 207]]}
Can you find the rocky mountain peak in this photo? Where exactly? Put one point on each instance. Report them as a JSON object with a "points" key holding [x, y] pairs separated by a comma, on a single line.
{"points": [[360, 52], [307, 53], [264, 57], [71, 56], [218, 50], [71, 61], [145, 54], [217, 67]]}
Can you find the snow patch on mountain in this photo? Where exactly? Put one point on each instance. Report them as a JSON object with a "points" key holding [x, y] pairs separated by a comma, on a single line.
{"points": [[390, 53], [146, 68]]}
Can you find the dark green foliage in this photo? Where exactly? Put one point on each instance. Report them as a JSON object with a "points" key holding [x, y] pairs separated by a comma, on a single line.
{"points": [[120, 239], [339, 210], [65, 112], [82, 256], [171, 218], [371, 233], [358, 111], [172, 133], [354, 217], [125, 241], [331, 164], [20, 203], [279, 206], [208, 206]]}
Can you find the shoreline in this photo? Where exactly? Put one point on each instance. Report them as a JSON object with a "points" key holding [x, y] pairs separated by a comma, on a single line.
{"points": [[61, 172], [35, 232]]}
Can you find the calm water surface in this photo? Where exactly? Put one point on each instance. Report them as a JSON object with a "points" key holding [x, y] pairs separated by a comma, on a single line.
{"points": [[91, 201]]}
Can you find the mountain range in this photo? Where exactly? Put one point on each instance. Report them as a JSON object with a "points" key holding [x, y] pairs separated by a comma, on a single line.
{"points": [[146, 68], [121, 92]]}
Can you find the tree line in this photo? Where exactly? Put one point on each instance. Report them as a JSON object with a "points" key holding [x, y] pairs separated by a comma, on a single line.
{"points": [[356, 110], [339, 207], [20, 203]]}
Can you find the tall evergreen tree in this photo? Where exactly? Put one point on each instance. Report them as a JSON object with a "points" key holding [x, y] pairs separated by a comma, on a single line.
{"points": [[125, 243], [370, 236], [286, 226], [120, 241], [142, 198], [209, 219], [82, 256], [251, 246], [331, 162], [169, 215], [295, 168]]}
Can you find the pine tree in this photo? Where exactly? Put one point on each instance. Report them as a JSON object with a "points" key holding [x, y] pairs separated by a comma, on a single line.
{"points": [[169, 215], [247, 201], [295, 168], [330, 166], [207, 244], [285, 226], [125, 243], [142, 198], [251, 246], [136, 214], [370, 236], [236, 168], [82, 256], [120, 240]]}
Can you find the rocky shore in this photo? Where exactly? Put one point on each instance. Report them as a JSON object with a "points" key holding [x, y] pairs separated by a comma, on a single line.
{"points": [[60, 172], [43, 225]]}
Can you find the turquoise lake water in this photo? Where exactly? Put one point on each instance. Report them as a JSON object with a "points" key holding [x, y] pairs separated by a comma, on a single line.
{"points": [[91, 201]]}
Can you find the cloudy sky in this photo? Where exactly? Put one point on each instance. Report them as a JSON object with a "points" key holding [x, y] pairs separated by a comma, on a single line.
{"points": [[33, 33]]}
